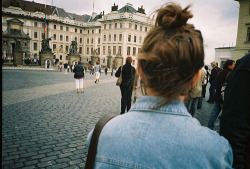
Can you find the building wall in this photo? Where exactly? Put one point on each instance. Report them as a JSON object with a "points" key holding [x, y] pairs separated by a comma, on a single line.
{"points": [[243, 35], [89, 35], [223, 54]]}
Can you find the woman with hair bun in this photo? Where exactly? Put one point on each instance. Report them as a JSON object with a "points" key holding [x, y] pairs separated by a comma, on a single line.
{"points": [[158, 132]]}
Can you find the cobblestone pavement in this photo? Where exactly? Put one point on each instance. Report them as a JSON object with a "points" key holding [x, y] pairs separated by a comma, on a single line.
{"points": [[45, 123]]}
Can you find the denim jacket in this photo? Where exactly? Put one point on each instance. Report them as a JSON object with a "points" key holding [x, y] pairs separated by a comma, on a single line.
{"points": [[164, 138]]}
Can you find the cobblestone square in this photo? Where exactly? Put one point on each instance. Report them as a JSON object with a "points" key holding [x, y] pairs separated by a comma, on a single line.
{"points": [[45, 123]]}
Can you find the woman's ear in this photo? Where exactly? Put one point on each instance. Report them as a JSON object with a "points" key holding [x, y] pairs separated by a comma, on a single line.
{"points": [[140, 70], [197, 76]]}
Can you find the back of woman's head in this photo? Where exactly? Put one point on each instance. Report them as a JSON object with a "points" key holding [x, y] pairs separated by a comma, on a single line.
{"points": [[172, 53]]}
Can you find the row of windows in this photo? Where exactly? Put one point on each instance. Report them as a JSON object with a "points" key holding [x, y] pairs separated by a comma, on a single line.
{"points": [[110, 26], [115, 51]]}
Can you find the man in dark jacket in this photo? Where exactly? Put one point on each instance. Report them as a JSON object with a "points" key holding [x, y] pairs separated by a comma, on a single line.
{"points": [[126, 87], [221, 77], [235, 118]]}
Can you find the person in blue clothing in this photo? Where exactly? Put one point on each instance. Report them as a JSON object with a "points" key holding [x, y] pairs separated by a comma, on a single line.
{"points": [[158, 132]]}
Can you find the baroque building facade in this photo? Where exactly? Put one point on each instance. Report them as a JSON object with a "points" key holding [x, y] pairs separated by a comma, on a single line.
{"points": [[243, 34], [119, 33]]}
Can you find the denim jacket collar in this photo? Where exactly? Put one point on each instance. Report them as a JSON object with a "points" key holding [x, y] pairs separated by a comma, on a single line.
{"points": [[146, 103]]}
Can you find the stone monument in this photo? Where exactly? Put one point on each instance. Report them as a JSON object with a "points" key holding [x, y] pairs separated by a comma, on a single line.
{"points": [[46, 56], [18, 54], [94, 57], [74, 56], [118, 61]]}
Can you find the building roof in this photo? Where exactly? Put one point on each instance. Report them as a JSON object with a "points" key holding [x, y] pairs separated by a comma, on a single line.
{"points": [[47, 9], [128, 8]]}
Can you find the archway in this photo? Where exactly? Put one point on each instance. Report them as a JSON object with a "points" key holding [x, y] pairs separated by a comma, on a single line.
{"points": [[47, 64]]}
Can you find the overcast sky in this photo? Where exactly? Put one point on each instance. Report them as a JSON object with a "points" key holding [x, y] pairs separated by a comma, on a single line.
{"points": [[217, 19]]}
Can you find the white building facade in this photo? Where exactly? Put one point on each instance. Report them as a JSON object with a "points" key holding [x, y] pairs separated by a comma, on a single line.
{"points": [[118, 33]]}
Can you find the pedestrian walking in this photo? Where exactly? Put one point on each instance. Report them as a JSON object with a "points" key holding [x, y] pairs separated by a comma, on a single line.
{"points": [[106, 70], [203, 88], [195, 94], [212, 78], [79, 75], [58, 67], [126, 87], [65, 68], [235, 118], [158, 132], [221, 78], [97, 69]]}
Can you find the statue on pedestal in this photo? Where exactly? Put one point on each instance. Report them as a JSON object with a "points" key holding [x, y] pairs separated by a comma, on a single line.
{"points": [[73, 48], [45, 45]]}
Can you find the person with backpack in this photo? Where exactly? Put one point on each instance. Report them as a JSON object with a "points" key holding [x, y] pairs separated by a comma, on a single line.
{"points": [[212, 78], [221, 78]]}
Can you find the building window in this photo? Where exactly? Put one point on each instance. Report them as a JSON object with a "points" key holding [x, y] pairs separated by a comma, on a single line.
{"points": [[92, 40], [120, 25], [134, 51], [87, 50], [103, 60], [104, 26], [119, 49], [115, 25], [60, 57], [128, 50], [67, 38], [54, 46], [248, 34], [75, 30], [67, 28], [67, 57], [88, 31], [99, 40], [114, 37], [80, 50], [61, 38], [140, 28], [110, 26], [76, 39], [35, 24], [93, 31], [35, 34], [67, 48], [120, 37], [81, 31], [130, 25], [114, 50], [135, 39], [99, 30], [104, 50], [146, 29], [43, 36], [80, 40], [104, 38], [35, 55], [129, 38], [109, 50], [54, 26], [140, 39], [109, 37], [98, 51], [61, 28], [135, 27], [35, 46], [54, 36]]}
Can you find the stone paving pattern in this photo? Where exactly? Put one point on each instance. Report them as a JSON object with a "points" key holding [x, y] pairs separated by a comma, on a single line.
{"points": [[45, 123]]}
